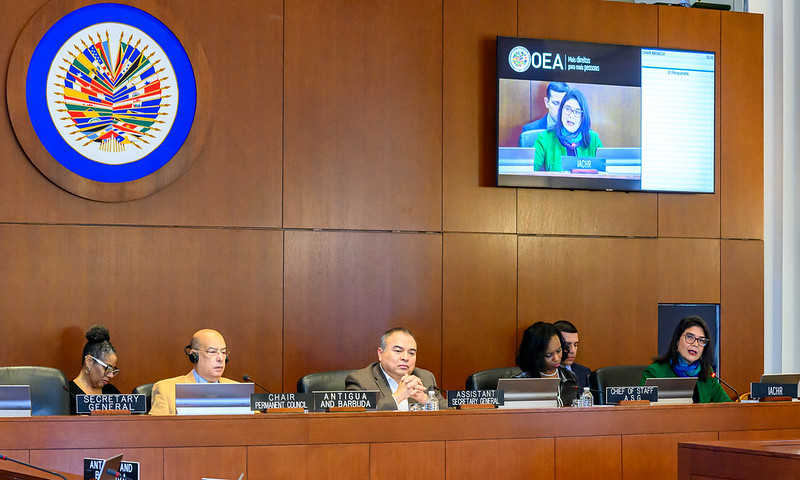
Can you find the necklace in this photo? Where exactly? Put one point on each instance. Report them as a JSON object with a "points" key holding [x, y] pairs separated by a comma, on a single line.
{"points": [[549, 375]]}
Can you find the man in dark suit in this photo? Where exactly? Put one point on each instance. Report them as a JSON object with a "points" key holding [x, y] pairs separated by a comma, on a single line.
{"points": [[570, 335], [399, 383]]}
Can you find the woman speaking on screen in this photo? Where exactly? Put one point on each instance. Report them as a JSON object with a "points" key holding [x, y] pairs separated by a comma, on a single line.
{"points": [[571, 135], [690, 354]]}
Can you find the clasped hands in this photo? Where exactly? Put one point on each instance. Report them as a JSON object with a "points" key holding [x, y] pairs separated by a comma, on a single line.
{"points": [[410, 386]]}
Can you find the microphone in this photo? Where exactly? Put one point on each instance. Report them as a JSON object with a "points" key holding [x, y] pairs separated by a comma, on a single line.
{"points": [[714, 375], [3, 457], [248, 378]]}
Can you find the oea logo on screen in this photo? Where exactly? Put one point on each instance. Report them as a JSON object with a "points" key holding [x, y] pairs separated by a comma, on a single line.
{"points": [[520, 60]]}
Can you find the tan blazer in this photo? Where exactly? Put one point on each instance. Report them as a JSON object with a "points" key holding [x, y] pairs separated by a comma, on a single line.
{"points": [[163, 399]]}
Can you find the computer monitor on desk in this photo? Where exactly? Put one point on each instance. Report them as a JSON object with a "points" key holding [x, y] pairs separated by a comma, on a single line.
{"points": [[673, 390], [213, 398], [529, 392]]}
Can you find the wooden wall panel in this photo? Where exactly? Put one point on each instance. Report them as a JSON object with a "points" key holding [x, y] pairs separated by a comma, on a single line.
{"points": [[567, 212], [344, 289], [240, 164], [371, 117], [742, 123], [521, 459], [151, 460], [309, 461], [688, 270], [655, 456], [622, 23], [414, 460], [205, 462], [584, 457], [479, 302], [742, 313], [682, 215], [593, 282], [471, 202], [152, 287], [363, 120]]}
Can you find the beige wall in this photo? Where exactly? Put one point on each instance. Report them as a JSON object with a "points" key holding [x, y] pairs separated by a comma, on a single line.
{"points": [[346, 186]]}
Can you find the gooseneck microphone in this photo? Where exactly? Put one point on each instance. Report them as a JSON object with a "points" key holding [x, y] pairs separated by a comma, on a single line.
{"points": [[248, 378], [3, 457], [714, 375]]}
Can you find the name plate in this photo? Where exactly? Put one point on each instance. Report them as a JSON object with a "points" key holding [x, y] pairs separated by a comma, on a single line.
{"points": [[266, 401], [93, 468], [87, 403], [367, 399], [467, 397], [615, 395], [764, 390]]}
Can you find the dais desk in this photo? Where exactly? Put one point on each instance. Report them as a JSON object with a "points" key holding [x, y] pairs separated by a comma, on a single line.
{"points": [[600, 442], [739, 460]]}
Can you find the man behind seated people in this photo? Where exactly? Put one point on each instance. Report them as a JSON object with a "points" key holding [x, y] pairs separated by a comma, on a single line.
{"points": [[394, 375], [570, 334], [552, 101], [208, 353]]}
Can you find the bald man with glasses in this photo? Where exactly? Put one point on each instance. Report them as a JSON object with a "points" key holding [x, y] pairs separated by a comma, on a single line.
{"points": [[209, 354]]}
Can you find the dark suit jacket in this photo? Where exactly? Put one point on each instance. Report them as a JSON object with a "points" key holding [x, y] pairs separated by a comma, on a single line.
{"points": [[371, 377], [583, 375]]}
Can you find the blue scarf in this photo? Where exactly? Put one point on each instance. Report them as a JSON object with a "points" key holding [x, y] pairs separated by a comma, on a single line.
{"points": [[684, 368], [570, 141]]}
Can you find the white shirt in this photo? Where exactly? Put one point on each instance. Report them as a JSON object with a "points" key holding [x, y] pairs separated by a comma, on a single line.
{"points": [[393, 386]]}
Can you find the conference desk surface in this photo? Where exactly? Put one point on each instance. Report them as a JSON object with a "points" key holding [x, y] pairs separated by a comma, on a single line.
{"points": [[601, 442]]}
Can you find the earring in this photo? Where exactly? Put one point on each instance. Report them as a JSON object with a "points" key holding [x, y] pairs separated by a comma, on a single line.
{"points": [[86, 370]]}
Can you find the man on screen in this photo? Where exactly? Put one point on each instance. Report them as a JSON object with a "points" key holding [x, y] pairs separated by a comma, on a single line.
{"points": [[208, 353], [570, 335], [552, 101], [399, 384]]}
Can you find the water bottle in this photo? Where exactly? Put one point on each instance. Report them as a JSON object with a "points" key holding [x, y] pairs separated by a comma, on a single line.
{"points": [[587, 399], [433, 403]]}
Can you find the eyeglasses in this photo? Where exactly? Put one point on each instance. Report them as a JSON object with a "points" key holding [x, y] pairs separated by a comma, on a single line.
{"points": [[107, 369], [213, 352], [690, 339], [569, 111]]}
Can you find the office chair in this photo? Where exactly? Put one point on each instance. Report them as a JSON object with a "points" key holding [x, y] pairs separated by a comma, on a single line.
{"points": [[48, 396]]}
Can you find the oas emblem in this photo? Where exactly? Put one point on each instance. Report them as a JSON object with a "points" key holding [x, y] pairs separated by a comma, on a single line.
{"points": [[112, 97]]}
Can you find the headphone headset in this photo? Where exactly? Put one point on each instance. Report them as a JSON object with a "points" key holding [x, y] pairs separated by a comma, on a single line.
{"points": [[193, 356]]}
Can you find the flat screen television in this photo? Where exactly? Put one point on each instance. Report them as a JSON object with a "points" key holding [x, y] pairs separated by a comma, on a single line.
{"points": [[620, 117]]}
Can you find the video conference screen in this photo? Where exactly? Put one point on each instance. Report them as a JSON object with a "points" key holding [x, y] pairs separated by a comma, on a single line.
{"points": [[579, 115]]}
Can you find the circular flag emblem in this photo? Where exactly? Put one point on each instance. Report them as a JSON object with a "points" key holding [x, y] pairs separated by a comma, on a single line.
{"points": [[519, 59], [111, 94]]}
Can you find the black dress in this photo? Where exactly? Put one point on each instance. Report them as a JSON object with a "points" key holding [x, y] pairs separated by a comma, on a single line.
{"points": [[74, 389]]}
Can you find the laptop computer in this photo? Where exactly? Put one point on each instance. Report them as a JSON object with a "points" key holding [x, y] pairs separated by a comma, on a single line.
{"points": [[15, 401], [673, 390], [529, 392], [780, 378], [111, 465], [213, 398]]}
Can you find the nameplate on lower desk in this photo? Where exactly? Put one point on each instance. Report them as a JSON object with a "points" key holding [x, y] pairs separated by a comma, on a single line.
{"points": [[367, 399], [615, 395], [456, 398], [268, 401], [135, 403], [765, 390]]}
